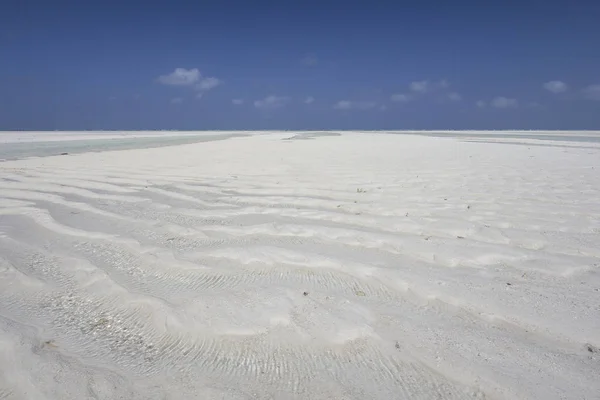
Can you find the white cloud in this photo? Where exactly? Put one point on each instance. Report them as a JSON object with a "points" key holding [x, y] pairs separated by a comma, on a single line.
{"points": [[199, 95], [383, 107], [480, 103], [534, 104], [189, 78], [343, 105], [592, 92], [504, 102], [427, 86], [400, 97], [237, 102], [272, 102], [454, 96], [310, 60], [354, 105], [208, 83], [419, 86], [555, 86], [176, 100], [309, 100], [180, 77]]}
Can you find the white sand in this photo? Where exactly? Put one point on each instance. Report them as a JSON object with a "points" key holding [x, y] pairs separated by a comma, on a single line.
{"points": [[434, 268]]}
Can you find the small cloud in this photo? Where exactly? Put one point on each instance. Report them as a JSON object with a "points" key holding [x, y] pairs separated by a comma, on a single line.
{"points": [[208, 83], [419, 86], [343, 105], [383, 107], [504, 102], [534, 104], [480, 103], [180, 77], [454, 96], [176, 100], [400, 97], [272, 102], [309, 100], [237, 102], [555, 86], [427, 86], [310, 60], [354, 105], [199, 95], [592, 92]]}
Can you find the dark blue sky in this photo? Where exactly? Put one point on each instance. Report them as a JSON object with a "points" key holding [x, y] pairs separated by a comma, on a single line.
{"points": [[299, 64]]}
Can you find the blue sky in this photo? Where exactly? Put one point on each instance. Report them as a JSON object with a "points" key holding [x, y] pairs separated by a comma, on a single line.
{"points": [[77, 65]]}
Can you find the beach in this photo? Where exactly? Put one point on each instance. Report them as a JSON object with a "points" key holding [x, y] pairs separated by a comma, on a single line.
{"points": [[299, 265]]}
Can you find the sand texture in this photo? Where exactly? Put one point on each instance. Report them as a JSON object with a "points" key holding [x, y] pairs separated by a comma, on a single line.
{"points": [[304, 266]]}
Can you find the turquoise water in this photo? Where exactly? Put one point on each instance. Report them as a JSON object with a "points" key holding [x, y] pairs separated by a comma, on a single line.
{"points": [[15, 151], [468, 135]]}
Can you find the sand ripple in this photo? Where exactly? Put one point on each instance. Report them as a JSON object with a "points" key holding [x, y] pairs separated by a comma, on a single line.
{"points": [[359, 266]]}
